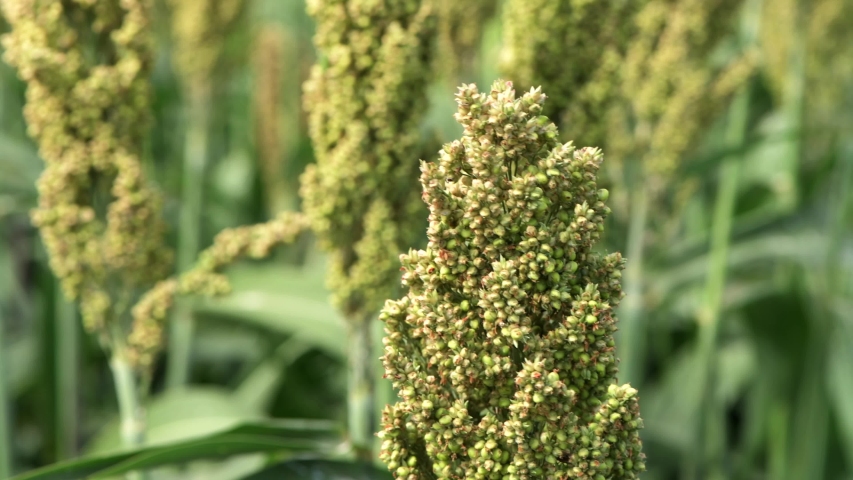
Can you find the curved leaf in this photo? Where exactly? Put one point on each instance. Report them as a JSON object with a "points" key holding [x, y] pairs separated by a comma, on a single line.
{"points": [[297, 435]]}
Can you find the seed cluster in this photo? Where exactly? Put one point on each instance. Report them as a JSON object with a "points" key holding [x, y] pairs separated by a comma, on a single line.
{"points": [[205, 278], [366, 98], [502, 350], [86, 65]]}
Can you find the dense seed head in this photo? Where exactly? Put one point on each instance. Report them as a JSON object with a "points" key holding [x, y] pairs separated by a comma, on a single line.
{"points": [[366, 99], [502, 350]]}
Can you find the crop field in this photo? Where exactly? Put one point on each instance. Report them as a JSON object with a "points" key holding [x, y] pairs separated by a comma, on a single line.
{"points": [[426, 239]]}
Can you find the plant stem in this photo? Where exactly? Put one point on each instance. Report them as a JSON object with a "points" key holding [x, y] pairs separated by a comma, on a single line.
{"points": [[361, 388], [131, 411], [711, 431], [192, 193], [5, 433], [631, 335], [67, 343]]}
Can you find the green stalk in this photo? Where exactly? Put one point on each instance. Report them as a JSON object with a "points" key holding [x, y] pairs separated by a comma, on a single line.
{"points": [[810, 423], [130, 408], [66, 346], [5, 433], [192, 193], [131, 411], [711, 435], [631, 334], [361, 388]]}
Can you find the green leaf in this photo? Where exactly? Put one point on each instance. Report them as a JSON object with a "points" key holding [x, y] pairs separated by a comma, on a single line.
{"points": [[840, 383], [258, 388], [21, 167], [318, 469], [181, 415], [282, 300], [669, 409], [249, 437]]}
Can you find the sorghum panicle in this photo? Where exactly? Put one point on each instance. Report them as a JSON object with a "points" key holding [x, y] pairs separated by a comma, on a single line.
{"points": [[588, 38], [502, 350], [826, 38], [366, 99], [671, 89], [98, 218], [274, 50]]}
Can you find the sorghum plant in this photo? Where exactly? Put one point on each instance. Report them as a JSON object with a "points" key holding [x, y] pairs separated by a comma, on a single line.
{"points": [[98, 217], [502, 350], [805, 50], [86, 65], [670, 92], [365, 100]]}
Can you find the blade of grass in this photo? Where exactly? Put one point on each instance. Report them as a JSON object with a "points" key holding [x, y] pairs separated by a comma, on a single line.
{"points": [[67, 378], [258, 389], [192, 193], [709, 316], [809, 426], [711, 434], [5, 433], [293, 435], [631, 335], [839, 380]]}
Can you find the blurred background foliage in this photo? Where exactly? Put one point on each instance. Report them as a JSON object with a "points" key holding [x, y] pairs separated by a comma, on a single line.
{"points": [[741, 328]]}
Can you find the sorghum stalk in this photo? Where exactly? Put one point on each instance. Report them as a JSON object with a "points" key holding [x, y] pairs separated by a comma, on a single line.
{"points": [[711, 421], [365, 99], [86, 65], [66, 366], [503, 350], [199, 28], [6, 467]]}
